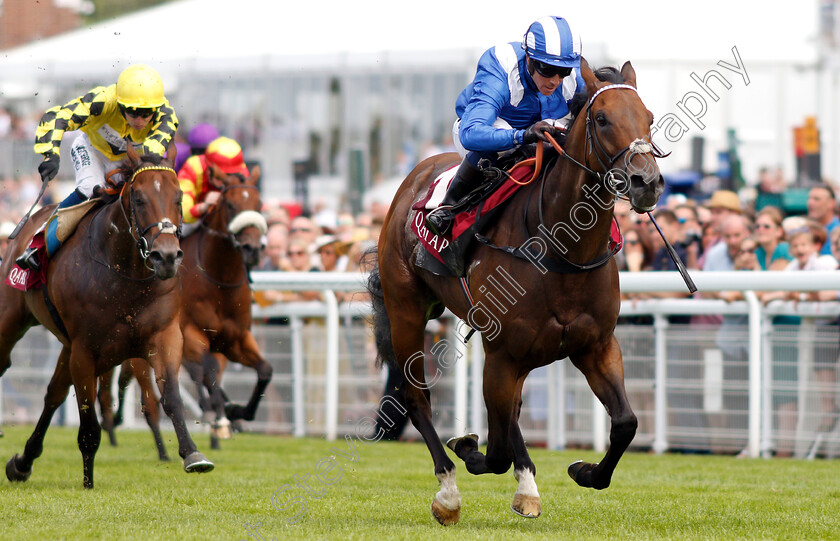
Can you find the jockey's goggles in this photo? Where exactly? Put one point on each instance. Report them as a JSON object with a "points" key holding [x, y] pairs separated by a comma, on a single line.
{"points": [[137, 112], [548, 71]]}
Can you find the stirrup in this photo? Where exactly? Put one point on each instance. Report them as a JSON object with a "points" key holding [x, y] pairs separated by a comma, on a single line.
{"points": [[29, 259], [439, 221]]}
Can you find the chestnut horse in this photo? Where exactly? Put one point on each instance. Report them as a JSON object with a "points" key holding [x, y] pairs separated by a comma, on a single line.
{"points": [[546, 313], [215, 286], [111, 294], [216, 303]]}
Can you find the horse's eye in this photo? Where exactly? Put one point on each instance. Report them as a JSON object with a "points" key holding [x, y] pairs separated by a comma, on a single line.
{"points": [[601, 119]]}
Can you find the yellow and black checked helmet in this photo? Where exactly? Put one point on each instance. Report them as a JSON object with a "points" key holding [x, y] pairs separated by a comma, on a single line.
{"points": [[140, 86]]}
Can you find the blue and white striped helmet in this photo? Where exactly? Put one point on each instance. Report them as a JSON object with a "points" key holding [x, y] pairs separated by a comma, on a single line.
{"points": [[552, 41]]}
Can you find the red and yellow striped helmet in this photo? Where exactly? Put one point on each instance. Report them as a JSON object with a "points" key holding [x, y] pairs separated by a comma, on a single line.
{"points": [[226, 154]]}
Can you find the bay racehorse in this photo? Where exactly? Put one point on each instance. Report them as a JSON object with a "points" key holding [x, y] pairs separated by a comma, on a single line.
{"points": [[216, 299], [216, 320], [111, 294], [561, 289]]}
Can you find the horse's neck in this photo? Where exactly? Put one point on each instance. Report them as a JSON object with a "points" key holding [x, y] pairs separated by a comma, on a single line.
{"points": [[116, 243], [577, 211], [218, 254]]}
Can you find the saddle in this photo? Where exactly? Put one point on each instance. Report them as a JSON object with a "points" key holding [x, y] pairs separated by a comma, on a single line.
{"points": [[61, 224]]}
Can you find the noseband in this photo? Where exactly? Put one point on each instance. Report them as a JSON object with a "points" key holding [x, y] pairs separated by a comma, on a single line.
{"points": [[165, 226]]}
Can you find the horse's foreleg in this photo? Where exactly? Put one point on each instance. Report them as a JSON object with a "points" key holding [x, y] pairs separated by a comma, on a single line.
{"points": [[19, 468], [167, 363], [149, 404], [604, 372], [82, 369], [248, 354], [220, 429], [106, 404], [526, 500], [196, 372]]}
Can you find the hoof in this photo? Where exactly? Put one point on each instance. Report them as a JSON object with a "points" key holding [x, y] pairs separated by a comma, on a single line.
{"points": [[470, 439], [443, 515], [164, 458], [581, 472], [235, 412], [197, 463], [12, 473], [526, 506], [221, 429]]}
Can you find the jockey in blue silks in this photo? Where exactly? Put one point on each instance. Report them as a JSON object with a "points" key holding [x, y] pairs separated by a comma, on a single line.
{"points": [[520, 91]]}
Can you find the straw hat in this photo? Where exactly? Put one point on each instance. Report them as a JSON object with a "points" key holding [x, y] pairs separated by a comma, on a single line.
{"points": [[328, 240], [725, 199]]}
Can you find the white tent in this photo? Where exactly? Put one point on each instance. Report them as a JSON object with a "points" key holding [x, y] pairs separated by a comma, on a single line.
{"points": [[254, 33]]}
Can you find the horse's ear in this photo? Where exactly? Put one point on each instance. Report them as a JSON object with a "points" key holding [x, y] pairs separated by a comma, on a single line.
{"points": [[629, 74], [133, 157], [255, 174], [171, 154], [216, 177], [588, 77]]}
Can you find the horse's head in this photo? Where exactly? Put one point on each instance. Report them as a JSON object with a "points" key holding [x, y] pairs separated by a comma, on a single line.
{"points": [[237, 212], [618, 137], [152, 204]]}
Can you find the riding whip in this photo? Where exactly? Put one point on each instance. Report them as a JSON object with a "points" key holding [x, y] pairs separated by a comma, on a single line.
{"points": [[25, 218], [675, 257]]}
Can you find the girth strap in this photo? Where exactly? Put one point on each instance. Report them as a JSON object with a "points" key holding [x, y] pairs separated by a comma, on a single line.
{"points": [[554, 265], [54, 314]]}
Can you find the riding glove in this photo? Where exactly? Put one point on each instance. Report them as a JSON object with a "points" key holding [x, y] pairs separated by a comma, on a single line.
{"points": [[536, 132], [49, 168]]}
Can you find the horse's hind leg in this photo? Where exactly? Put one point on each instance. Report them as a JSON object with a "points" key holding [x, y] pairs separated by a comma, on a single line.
{"points": [[150, 406], [123, 381], [605, 373], [19, 468], [247, 353], [106, 404], [407, 328], [15, 320]]}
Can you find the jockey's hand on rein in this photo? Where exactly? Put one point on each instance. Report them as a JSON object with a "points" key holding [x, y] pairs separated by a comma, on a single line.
{"points": [[536, 132], [49, 168]]}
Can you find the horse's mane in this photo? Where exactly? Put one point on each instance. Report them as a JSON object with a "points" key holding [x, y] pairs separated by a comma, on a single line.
{"points": [[126, 171], [607, 74]]}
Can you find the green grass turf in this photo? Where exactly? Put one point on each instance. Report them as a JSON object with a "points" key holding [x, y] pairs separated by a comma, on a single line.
{"points": [[386, 494]]}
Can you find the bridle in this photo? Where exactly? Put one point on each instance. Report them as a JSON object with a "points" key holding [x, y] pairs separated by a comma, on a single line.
{"points": [[229, 233], [138, 233]]}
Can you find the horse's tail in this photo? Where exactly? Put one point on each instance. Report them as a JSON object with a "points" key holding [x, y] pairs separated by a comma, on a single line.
{"points": [[381, 322]]}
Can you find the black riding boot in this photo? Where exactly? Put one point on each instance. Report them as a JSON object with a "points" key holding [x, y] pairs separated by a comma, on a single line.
{"points": [[439, 221], [29, 259]]}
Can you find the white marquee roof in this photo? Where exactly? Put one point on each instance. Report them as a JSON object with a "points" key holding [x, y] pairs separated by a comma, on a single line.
{"points": [[269, 33]]}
